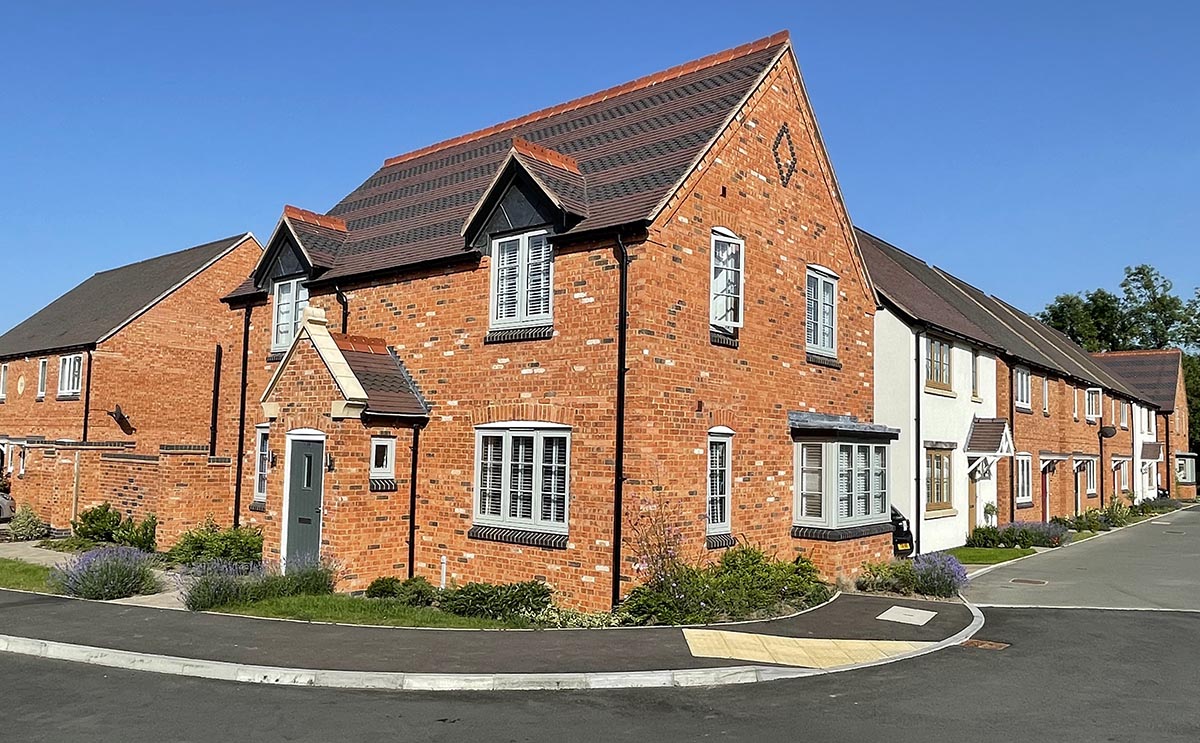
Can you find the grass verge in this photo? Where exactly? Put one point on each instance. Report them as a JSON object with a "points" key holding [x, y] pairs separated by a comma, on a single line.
{"points": [[988, 555], [1079, 536], [24, 575], [359, 610]]}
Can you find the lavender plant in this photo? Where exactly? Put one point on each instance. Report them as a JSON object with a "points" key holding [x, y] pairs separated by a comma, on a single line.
{"points": [[107, 573], [212, 584], [939, 574]]}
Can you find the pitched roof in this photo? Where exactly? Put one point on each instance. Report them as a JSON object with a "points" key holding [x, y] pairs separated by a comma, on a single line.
{"points": [[108, 300], [1155, 373], [633, 144], [986, 435], [390, 390]]}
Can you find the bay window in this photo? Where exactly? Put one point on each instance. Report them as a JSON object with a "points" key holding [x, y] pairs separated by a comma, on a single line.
{"points": [[841, 484], [522, 475], [522, 280], [291, 297]]}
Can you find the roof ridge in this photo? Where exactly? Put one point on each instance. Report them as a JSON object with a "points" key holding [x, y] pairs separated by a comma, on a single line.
{"points": [[1139, 352], [545, 155], [311, 217], [642, 82]]}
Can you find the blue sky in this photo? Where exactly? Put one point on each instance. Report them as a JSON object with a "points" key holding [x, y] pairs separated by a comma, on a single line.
{"points": [[1030, 147]]}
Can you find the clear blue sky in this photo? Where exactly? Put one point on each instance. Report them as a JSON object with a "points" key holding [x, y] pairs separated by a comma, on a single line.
{"points": [[1030, 147]]}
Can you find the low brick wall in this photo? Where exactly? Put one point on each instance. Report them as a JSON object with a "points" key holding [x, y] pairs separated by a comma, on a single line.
{"points": [[844, 560]]}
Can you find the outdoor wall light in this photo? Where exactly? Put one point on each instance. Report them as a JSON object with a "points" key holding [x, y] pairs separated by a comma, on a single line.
{"points": [[328, 462], [272, 456]]}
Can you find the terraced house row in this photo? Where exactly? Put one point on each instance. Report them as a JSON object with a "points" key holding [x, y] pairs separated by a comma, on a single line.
{"points": [[504, 353]]}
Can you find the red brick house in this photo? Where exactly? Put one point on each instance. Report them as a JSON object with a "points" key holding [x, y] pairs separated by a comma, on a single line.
{"points": [[1159, 374], [503, 352], [114, 390]]}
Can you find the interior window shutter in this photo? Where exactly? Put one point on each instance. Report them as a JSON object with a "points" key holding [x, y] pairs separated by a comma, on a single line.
{"points": [[520, 500], [507, 279], [491, 475], [554, 479], [811, 485], [537, 289], [813, 310], [845, 475]]}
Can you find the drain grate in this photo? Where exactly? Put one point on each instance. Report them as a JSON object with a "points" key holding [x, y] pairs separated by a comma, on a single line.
{"points": [[1028, 581], [985, 644]]}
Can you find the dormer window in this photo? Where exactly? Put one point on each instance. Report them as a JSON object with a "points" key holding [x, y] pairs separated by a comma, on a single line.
{"points": [[291, 297], [728, 279], [522, 280]]}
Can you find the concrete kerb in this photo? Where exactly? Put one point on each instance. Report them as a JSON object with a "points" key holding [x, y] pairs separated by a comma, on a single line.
{"points": [[399, 681], [1100, 535]]}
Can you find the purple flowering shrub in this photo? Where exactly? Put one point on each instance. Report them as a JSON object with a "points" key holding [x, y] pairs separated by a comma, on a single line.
{"points": [[939, 574], [217, 583], [107, 573]]}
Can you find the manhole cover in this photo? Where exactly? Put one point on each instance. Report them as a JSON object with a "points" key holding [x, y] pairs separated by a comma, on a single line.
{"points": [[1028, 581], [985, 644]]}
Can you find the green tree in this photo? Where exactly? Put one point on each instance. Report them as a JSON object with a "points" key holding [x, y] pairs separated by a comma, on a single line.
{"points": [[1191, 381], [1158, 317], [1096, 320]]}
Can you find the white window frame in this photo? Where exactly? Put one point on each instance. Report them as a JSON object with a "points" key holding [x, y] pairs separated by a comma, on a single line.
{"points": [[1185, 470], [506, 431], [3, 382], [70, 375], [1075, 402], [1021, 388], [262, 461], [295, 304], [1089, 468], [826, 316], [1023, 475], [719, 435], [21, 461], [721, 288], [1046, 395], [43, 373], [1125, 415], [524, 316], [387, 472], [835, 500], [1093, 403]]}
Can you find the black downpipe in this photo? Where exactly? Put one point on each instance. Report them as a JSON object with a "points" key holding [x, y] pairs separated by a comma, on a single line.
{"points": [[412, 502], [345, 304], [619, 454], [87, 397], [918, 460], [241, 443], [1012, 475], [1170, 476], [1102, 470], [216, 401]]}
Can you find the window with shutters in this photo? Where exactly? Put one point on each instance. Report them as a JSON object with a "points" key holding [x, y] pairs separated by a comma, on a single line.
{"points": [[522, 475], [1021, 395], [728, 279], [720, 479], [522, 280], [290, 297], [841, 484], [70, 375], [937, 364], [1023, 464], [821, 312], [937, 479]]}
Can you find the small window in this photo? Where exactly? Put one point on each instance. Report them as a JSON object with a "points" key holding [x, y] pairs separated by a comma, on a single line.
{"points": [[522, 280], [3, 381], [821, 316], [1046, 395], [1075, 403], [1185, 470], [21, 464], [1021, 395], [1094, 401], [291, 297], [1089, 467], [728, 279], [43, 365], [1124, 415], [720, 479], [812, 482], [1024, 478], [975, 374], [523, 475], [70, 375], [937, 364], [937, 480], [383, 456], [262, 462]]}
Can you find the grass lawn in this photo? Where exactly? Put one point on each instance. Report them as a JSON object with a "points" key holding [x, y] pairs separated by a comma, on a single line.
{"points": [[23, 575], [988, 555], [1079, 536], [359, 610], [68, 544]]}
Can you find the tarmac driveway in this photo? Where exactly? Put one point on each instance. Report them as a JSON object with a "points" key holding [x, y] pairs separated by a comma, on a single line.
{"points": [[1152, 565]]}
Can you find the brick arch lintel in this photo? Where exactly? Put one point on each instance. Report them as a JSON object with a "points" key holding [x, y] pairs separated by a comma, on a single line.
{"points": [[522, 411], [722, 417]]}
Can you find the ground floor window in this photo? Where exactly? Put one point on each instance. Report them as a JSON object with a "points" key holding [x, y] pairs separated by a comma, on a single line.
{"points": [[841, 484], [937, 479], [720, 477], [1023, 467], [522, 475], [1089, 469], [262, 462], [1185, 470], [1121, 475]]}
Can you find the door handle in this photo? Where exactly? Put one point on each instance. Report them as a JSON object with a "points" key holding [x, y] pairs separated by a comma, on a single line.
{"points": [[317, 509]]}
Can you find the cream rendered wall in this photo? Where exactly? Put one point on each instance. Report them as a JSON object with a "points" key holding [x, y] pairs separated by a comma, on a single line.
{"points": [[894, 402]]}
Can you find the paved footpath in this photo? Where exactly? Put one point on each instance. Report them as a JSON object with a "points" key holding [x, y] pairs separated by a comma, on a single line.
{"points": [[1154, 564], [845, 632]]}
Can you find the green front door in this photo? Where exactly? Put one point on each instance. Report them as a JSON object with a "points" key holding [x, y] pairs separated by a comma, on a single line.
{"points": [[304, 502]]}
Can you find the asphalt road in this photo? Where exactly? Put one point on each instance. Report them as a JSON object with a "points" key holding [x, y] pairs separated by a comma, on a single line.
{"points": [[1068, 676], [1155, 564]]}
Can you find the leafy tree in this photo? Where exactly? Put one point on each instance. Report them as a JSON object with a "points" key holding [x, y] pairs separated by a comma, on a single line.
{"points": [[1157, 315], [1096, 320], [1070, 314], [1191, 380]]}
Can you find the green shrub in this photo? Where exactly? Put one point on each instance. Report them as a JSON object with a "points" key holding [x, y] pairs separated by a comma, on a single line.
{"points": [[984, 536], [1116, 514], [939, 574], [27, 525], [70, 544], [106, 573], [412, 592], [490, 601], [898, 576], [210, 585], [97, 523], [209, 542], [387, 587], [143, 536]]}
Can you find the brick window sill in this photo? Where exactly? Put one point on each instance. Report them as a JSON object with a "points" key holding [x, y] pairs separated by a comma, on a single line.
{"points": [[826, 534], [66, 398], [383, 485], [719, 541], [817, 359], [1024, 505], [514, 335], [723, 338], [527, 537], [275, 356], [258, 505]]}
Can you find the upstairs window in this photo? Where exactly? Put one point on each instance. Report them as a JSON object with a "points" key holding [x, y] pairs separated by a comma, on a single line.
{"points": [[43, 365], [1046, 395], [1124, 415], [1093, 403], [3, 381], [720, 478], [1021, 394], [728, 279], [522, 280], [383, 458], [291, 297], [522, 476], [975, 374], [937, 364], [821, 318], [70, 375], [1075, 403]]}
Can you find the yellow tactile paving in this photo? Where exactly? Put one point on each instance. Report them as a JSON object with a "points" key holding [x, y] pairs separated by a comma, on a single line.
{"points": [[807, 652]]}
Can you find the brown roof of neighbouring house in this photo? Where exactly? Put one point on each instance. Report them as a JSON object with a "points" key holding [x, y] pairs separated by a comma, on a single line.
{"points": [[390, 390], [1152, 451], [986, 435], [1155, 373], [104, 303], [632, 144]]}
